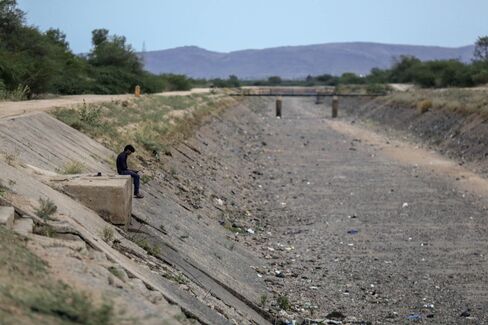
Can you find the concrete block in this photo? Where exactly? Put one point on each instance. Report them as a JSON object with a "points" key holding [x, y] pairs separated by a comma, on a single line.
{"points": [[109, 196], [24, 226], [7, 215]]}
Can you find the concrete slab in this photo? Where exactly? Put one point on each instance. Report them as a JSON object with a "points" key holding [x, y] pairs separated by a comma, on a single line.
{"points": [[7, 215], [89, 225], [109, 196], [24, 226]]}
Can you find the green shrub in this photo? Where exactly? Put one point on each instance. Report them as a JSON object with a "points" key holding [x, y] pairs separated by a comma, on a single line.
{"points": [[46, 209], [108, 234], [283, 302], [73, 167]]}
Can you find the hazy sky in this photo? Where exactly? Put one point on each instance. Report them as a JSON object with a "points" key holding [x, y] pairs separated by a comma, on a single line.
{"points": [[225, 25]]}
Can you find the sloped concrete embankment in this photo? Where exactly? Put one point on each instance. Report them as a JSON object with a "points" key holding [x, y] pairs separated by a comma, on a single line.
{"points": [[220, 284], [458, 135]]}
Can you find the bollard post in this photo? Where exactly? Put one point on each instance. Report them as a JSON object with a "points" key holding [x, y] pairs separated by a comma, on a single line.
{"points": [[335, 106], [137, 91], [278, 107]]}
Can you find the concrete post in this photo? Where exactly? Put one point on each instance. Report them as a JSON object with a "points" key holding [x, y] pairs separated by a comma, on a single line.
{"points": [[335, 106], [278, 107], [137, 91]]}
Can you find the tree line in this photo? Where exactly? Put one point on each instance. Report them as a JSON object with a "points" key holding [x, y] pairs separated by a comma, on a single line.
{"points": [[405, 69], [35, 62]]}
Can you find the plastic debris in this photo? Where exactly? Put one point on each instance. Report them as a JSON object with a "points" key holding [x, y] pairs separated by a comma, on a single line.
{"points": [[414, 317], [352, 231], [405, 205], [466, 313], [250, 231]]}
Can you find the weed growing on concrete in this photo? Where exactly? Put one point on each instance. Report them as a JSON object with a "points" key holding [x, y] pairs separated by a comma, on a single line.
{"points": [[150, 249], [263, 299], [46, 209], [10, 158], [178, 278], [108, 234], [3, 189], [116, 272], [283, 302], [146, 179], [73, 167], [44, 230]]}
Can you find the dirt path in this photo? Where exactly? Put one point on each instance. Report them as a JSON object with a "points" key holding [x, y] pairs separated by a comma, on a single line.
{"points": [[375, 231], [9, 109]]}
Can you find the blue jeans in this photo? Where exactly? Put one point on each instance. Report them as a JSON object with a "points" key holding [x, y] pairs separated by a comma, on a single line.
{"points": [[135, 177]]}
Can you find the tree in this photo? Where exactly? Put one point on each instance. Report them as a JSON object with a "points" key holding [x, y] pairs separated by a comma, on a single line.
{"points": [[11, 18], [481, 49], [350, 78], [99, 36], [402, 70], [274, 80], [233, 81]]}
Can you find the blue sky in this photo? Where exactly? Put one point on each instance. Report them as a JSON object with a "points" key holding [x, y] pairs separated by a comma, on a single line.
{"points": [[226, 25]]}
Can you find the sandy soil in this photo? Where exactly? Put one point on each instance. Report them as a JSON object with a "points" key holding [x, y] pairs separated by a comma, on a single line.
{"points": [[373, 230], [8, 109]]}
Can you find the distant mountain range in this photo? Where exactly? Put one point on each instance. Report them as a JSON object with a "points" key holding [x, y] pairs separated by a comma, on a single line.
{"points": [[292, 62]]}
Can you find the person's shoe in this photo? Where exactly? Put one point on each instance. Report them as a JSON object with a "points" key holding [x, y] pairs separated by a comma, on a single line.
{"points": [[138, 196]]}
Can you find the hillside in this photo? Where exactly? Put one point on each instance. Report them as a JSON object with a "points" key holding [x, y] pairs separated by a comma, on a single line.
{"points": [[292, 61]]}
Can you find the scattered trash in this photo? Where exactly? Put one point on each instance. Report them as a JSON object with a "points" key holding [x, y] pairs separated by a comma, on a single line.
{"points": [[431, 306], [352, 231], [414, 317], [279, 274], [219, 201], [465, 313], [250, 231], [430, 316], [405, 205]]}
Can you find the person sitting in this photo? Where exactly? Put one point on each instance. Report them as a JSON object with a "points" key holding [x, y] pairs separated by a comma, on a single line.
{"points": [[122, 169]]}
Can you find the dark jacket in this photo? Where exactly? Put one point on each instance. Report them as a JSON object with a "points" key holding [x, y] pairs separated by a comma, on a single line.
{"points": [[122, 162]]}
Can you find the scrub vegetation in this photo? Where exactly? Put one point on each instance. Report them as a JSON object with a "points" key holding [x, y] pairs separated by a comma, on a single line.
{"points": [[151, 123], [461, 100]]}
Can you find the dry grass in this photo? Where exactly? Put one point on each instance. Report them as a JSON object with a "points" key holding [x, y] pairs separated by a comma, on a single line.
{"points": [[462, 100], [424, 105], [73, 167], [151, 123]]}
